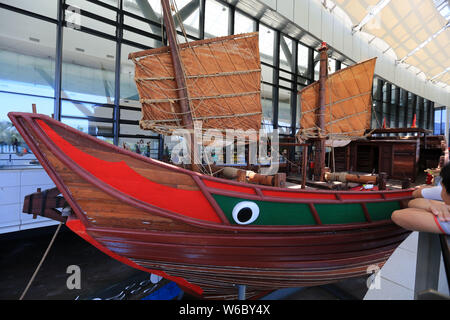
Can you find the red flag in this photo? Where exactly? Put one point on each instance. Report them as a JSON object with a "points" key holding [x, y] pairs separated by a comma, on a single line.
{"points": [[384, 123], [414, 122]]}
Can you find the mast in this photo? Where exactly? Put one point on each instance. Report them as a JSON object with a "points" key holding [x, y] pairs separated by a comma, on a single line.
{"points": [[186, 116], [319, 161]]}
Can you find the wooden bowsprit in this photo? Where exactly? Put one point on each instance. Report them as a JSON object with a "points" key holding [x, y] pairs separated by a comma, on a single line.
{"points": [[45, 204]]}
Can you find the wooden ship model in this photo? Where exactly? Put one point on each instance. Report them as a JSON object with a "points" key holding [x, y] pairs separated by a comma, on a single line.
{"points": [[210, 234]]}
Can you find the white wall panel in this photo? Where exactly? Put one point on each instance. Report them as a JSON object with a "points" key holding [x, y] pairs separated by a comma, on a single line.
{"points": [[390, 67], [315, 18], [270, 3], [16, 184], [348, 43], [301, 13], [364, 49], [338, 34], [356, 48], [285, 7], [327, 27], [379, 66]]}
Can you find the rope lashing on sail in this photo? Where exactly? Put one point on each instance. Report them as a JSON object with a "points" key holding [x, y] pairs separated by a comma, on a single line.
{"points": [[222, 79], [205, 118], [219, 96], [157, 125], [338, 101], [218, 74]]}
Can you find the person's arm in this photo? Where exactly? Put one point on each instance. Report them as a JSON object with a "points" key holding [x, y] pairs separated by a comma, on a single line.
{"points": [[417, 193], [438, 208]]}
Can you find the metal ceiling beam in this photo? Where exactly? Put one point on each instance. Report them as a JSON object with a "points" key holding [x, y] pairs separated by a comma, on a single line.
{"points": [[440, 74], [372, 13], [150, 14], [187, 10], [423, 44]]}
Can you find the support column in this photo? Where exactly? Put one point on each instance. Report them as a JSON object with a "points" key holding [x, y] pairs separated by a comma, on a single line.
{"points": [[116, 112], [58, 59], [428, 263]]}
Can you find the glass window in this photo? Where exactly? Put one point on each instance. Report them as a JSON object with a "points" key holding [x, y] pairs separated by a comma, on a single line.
{"points": [[22, 103], [284, 109], [385, 113], [374, 88], [392, 115], [440, 117], [134, 129], [27, 55], [266, 102], [146, 147], [443, 120], [152, 42], [189, 14], [44, 7], [316, 65], [385, 91], [266, 42], [88, 70], [13, 149], [133, 115], [402, 97], [303, 58], [149, 9], [410, 110], [79, 109], [426, 114], [267, 73], [113, 3], [128, 90], [216, 19], [331, 66], [437, 121], [286, 54], [285, 79], [92, 8], [243, 24], [94, 128], [74, 15], [393, 96]]}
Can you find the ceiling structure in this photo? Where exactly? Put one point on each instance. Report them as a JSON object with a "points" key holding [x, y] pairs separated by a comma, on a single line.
{"points": [[415, 31]]}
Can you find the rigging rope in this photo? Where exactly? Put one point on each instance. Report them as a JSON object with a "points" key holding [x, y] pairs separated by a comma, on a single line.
{"points": [[41, 262]]}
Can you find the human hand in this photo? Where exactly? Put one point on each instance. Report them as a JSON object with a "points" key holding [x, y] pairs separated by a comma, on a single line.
{"points": [[442, 211]]}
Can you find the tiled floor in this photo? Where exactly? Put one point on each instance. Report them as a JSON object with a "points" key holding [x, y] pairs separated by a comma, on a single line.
{"points": [[397, 277]]}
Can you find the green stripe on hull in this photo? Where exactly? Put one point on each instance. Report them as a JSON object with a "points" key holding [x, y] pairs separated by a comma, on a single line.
{"points": [[270, 213], [282, 213], [340, 213], [382, 210]]}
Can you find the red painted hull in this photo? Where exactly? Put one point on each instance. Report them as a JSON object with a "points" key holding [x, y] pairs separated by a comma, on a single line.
{"points": [[170, 221]]}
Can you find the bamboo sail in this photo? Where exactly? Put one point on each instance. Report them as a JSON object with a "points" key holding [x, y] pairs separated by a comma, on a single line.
{"points": [[223, 78], [347, 105]]}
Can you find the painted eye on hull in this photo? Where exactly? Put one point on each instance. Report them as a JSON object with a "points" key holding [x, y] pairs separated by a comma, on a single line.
{"points": [[245, 212]]}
